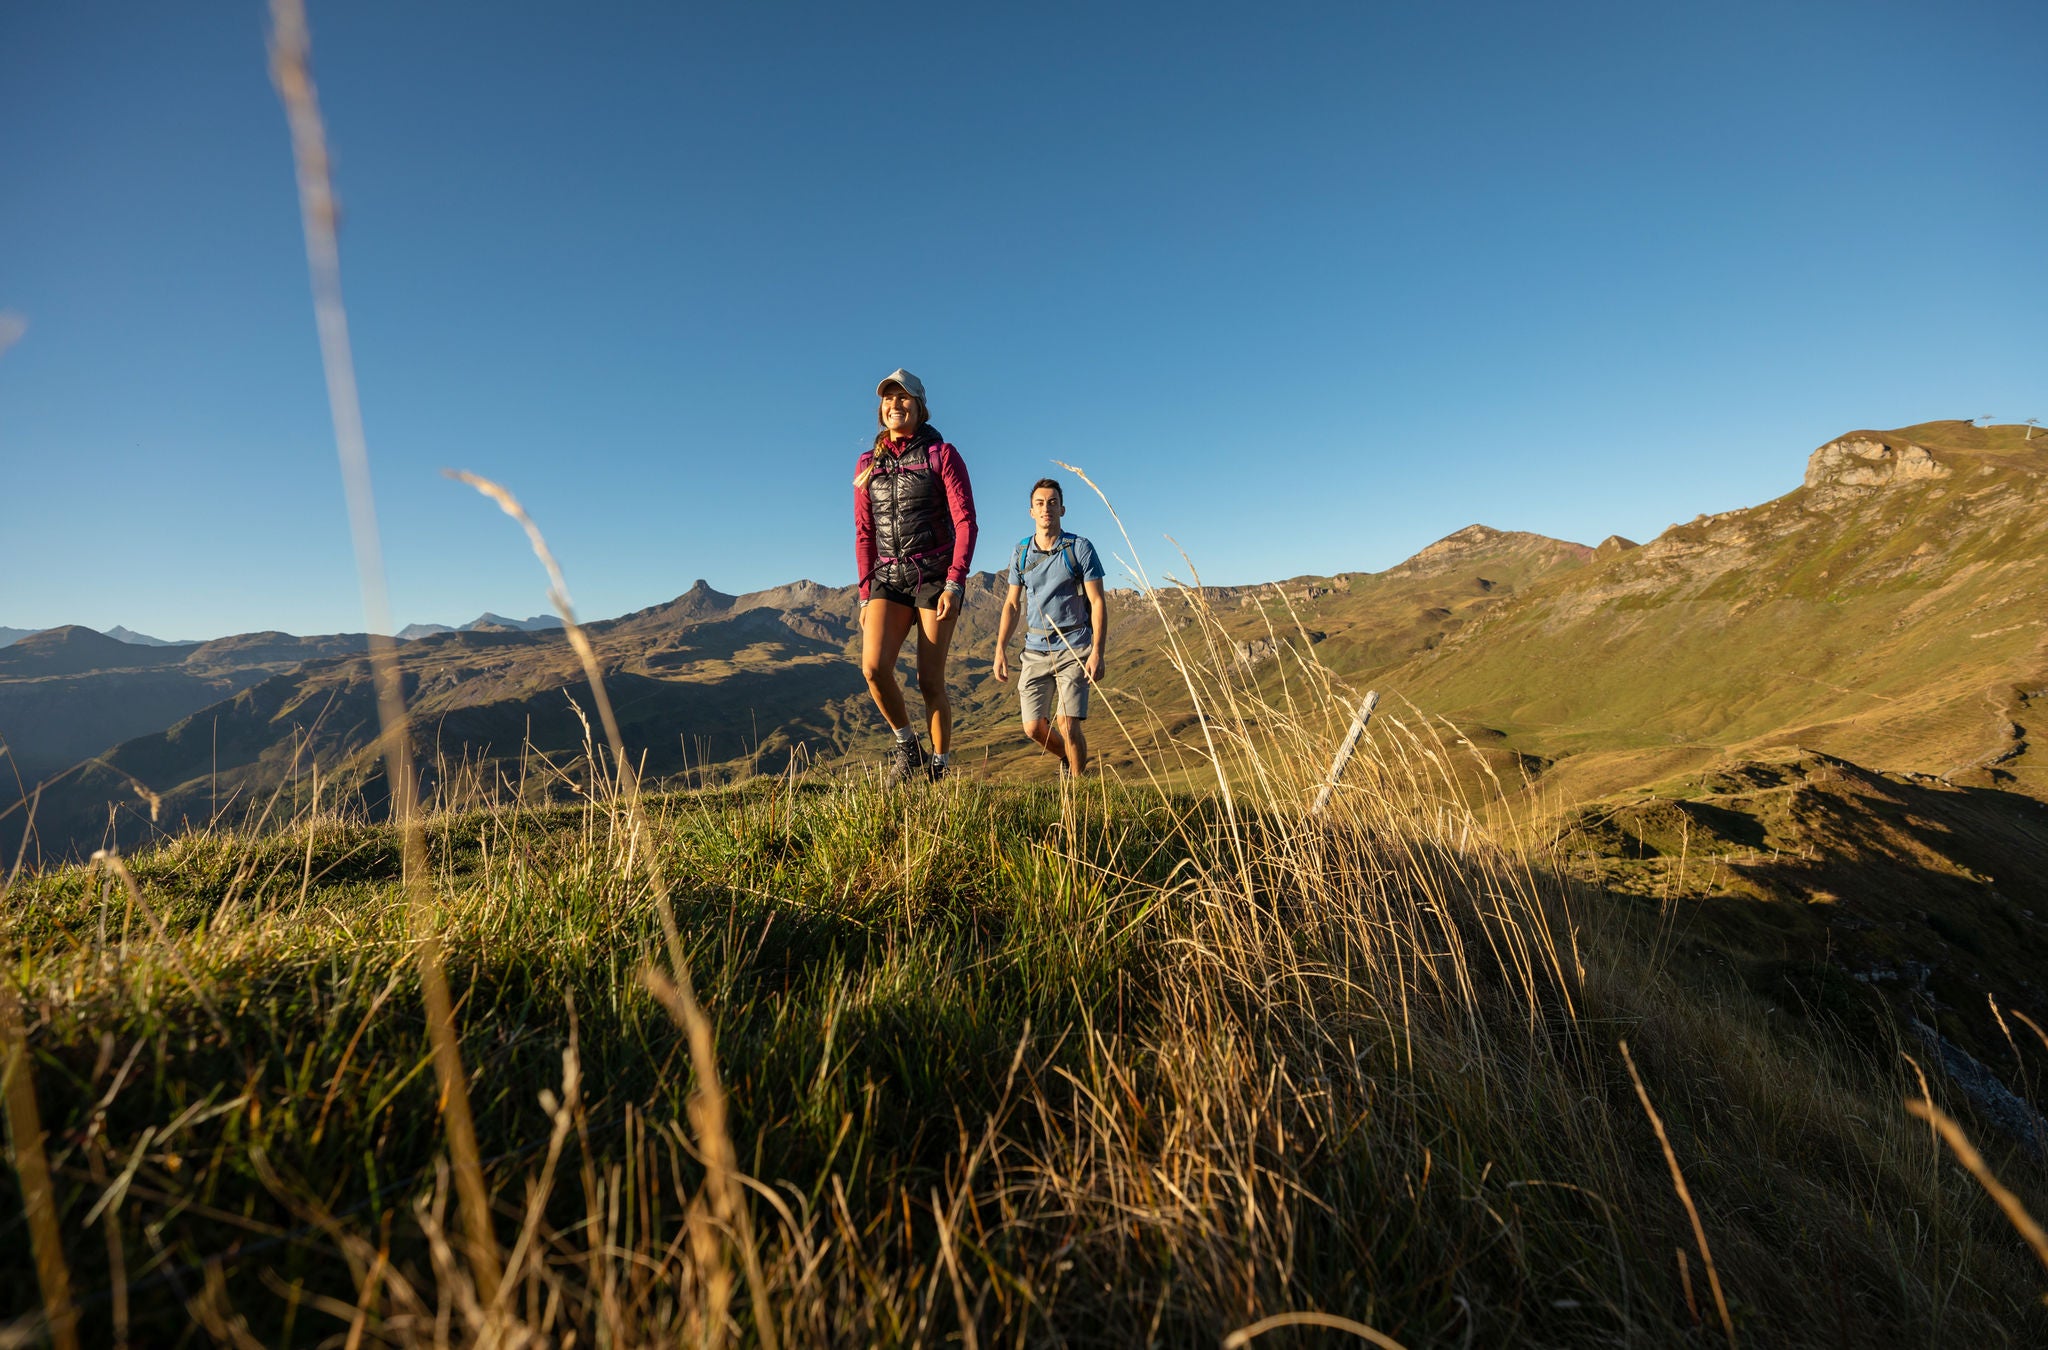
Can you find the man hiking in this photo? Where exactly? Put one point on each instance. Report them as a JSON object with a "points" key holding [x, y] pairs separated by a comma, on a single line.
{"points": [[1056, 579]]}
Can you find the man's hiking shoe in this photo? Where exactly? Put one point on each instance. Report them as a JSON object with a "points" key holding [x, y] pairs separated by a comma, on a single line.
{"points": [[905, 762], [935, 771]]}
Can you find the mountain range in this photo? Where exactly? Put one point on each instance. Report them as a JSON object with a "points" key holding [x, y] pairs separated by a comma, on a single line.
{"points": [[122, 633], [485, 622], [1888, 612]]}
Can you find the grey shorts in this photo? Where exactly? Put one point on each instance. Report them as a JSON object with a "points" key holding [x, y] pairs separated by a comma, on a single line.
{"points": [[1039, 674]]}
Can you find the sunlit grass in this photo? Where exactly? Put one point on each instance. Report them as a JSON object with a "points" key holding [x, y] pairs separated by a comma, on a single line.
{"points": [[1103, 1065]]}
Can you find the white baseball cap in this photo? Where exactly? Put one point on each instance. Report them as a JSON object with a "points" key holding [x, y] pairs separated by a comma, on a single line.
{"points": [[911, 384]]}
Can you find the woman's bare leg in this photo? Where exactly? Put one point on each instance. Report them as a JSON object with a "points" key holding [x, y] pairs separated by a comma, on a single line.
{"points": [[934, 637], [883, 626]]}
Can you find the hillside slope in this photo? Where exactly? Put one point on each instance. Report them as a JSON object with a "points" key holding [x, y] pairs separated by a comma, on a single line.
{"points": [[1892, 610], [736, 679], [67, 693]]}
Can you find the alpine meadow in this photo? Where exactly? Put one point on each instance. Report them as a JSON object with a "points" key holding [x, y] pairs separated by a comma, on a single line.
{"points": [[1526, 943]]}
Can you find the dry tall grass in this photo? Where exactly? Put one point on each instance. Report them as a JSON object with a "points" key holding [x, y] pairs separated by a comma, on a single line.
{"points": [[828, 1065], [1111, 1066], [290, 54]]}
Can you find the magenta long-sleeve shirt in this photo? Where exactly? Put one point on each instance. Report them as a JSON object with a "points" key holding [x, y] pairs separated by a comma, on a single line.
{"points": [[952, 471]]}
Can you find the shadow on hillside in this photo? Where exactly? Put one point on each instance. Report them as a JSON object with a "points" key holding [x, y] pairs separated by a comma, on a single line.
{"points": [[263, 755], [1883, 909]]}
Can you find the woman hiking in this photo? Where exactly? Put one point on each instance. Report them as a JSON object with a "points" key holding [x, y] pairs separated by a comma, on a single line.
{"points": [[913, 538]]}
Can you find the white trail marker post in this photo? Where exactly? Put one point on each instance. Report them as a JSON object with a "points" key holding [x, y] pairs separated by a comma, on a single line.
{"points": [[1344, 751]]}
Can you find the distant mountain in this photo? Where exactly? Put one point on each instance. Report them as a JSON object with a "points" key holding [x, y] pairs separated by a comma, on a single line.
{"points": [[486, 622], [10, 636], [70, 692], [129, 635], [746, 677], [74, 649]]}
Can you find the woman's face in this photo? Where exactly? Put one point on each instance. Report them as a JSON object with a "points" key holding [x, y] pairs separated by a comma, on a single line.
{"points": [[899, 413]]}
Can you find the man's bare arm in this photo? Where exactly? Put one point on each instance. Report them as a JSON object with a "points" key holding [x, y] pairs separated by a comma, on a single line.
{"points": [[1004, 627], [1098, 628]]}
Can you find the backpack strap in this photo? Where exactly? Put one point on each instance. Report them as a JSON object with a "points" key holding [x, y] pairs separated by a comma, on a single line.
{"points": [[1066, 552]]}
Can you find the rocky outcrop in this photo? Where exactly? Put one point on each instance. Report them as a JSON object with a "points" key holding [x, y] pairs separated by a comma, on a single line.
{"points": [[1255, 651], [1859, 464]]}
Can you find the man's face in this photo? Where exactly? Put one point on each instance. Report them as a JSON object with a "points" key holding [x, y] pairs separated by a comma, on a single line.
{"points": [[1047, 509], [899, 412]]}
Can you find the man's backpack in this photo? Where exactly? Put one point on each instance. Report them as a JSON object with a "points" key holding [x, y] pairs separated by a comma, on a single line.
{"points": [[1066, 551]]}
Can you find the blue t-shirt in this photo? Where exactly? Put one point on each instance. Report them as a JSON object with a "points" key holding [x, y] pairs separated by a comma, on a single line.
{"points": [[1055, 602]]}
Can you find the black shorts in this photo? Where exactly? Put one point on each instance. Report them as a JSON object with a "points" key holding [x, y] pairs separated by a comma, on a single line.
{"points": [[925, 597]]}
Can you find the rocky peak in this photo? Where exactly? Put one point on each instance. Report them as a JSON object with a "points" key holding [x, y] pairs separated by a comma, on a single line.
{"points": [[701, 601], [135, 639], [1612, 546], [1863, 462]]}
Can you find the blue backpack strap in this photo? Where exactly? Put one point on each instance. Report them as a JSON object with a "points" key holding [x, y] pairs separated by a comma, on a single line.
{"points": [[1017, 564], [1066, 552]]}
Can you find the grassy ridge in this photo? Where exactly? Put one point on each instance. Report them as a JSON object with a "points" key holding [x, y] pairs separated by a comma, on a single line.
{"points": [[1899, 627], [1102, 1067]]}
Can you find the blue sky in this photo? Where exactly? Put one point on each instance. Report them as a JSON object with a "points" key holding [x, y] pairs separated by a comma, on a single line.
{"points": [[1303, 286]]}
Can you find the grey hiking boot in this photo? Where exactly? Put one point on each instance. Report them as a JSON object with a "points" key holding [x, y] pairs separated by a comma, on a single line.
{"points": [[904, 762], [934, 770]]}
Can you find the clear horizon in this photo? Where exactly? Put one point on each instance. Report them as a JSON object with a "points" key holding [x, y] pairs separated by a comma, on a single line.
{"points": [[1305, 294]]}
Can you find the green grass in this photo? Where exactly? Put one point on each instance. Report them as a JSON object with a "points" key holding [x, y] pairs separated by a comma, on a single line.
{"points": [[1102, 1068]]}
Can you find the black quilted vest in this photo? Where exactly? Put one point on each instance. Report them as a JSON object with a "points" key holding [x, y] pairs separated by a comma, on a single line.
{"points": [[913, 524]]}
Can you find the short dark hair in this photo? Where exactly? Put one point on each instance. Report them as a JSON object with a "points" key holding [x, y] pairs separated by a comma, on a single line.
{"points": [[1052, 483]]}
